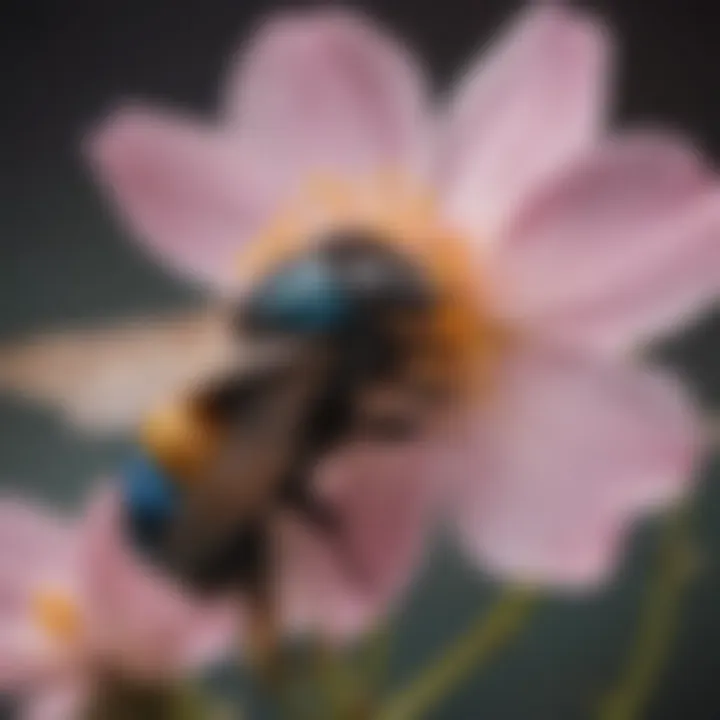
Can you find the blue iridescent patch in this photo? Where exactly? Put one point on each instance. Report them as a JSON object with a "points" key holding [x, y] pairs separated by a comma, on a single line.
{"points": [[304, 297], [151, 499]]}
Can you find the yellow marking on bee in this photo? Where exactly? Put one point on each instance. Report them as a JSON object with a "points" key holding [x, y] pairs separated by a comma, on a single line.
{"points": [[179, 439], [57, 613]]}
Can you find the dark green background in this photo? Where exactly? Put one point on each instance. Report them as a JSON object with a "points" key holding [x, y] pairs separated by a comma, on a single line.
{"points": [[63, 262]]}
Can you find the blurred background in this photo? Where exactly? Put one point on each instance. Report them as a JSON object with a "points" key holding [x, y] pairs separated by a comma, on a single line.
{"points": [[63, 262]]}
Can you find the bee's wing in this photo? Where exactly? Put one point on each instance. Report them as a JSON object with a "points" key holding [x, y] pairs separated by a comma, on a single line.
{"points": [[104, 380]]}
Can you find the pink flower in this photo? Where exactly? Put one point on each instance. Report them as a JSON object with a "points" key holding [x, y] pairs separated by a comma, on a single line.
{"points": [[75, 604], [581, 247]]}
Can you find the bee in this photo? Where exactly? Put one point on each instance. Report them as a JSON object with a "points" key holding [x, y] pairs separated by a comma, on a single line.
{"points": [[350, 337], [350, 314]]}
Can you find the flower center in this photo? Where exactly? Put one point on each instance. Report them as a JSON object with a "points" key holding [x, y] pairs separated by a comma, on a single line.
{"points": [[57, 613], [464, 338]]}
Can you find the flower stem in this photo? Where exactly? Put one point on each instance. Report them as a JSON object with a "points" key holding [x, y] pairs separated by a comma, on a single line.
{"points": [[489, 634], [376, 656], [657, 626]]}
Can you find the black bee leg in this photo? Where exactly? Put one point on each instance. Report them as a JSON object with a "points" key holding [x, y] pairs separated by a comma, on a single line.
{"points": [[323, 518], [262, 638], [314, 511]]}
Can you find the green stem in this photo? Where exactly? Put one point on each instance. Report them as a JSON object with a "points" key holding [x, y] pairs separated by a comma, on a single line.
{"points": [[376, 656], [342, 685], [489, 634], [657, 625]]}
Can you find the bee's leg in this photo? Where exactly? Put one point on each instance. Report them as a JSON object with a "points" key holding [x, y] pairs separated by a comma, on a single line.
{"points": [[325, 519], [263, 636], [320, 515], [243, 563], [262, 639]]}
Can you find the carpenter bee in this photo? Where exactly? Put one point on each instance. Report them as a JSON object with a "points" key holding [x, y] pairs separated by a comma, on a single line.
{"points": [[351, 315], [350, 337]]}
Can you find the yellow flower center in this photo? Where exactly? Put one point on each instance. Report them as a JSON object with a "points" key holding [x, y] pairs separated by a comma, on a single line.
{"points": [[57, 613], [457, 343], [465, 340]]}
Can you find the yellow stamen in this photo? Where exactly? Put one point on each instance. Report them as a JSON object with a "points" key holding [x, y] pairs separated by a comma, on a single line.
{"points": [[58, 614]]}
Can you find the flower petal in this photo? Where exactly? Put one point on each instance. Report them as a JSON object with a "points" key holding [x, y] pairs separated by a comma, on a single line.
{"points": [[329, 90], [60, 701], [140, 619], [619, 247], [21, 663], [340, 584], [30, 660], [521, 113], [567, 452], [31, 532], [194, 194], [35, 546]]}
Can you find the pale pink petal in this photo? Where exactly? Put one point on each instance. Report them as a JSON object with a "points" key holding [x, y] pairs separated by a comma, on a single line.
{"points": [[329, 90], [35, 546], [215, 630], [30, 660], [20, 661], [37, 549], [563, 457], [193, 193], [61, 701], [31, 530], [621, 246], [660, 301], [140, 619], [382, 498], [521, 112]]}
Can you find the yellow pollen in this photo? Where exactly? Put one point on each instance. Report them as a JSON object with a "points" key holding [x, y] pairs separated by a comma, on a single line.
{"points": [[58, 614]]}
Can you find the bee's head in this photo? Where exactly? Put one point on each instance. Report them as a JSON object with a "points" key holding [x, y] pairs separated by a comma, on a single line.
{"points": [[345, 281]]}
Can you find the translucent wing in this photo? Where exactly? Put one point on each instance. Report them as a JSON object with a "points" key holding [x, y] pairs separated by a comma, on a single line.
{"points": [[103, 380]]}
